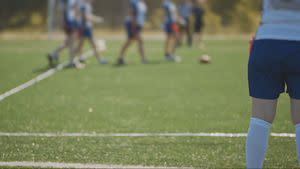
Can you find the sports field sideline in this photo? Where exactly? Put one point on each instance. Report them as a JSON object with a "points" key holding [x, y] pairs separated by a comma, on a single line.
{"points": [[158, 98]]}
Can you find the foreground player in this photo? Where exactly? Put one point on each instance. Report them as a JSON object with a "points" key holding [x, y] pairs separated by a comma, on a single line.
{"points": [[171, 28], [86, 29], [273, 65], [134, 24], [70, 12]]}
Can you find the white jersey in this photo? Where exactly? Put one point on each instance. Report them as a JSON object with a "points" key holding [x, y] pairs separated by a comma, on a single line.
{"points": [[141, 13], [280, 20], [86, 9], [70, 10]]}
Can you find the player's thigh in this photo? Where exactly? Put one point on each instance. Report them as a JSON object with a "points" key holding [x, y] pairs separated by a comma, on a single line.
{"points": [[264, 109], [265, 75], [266, 78], [295, 110]]}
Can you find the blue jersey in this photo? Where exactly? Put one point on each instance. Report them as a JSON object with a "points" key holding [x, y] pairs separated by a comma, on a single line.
{"points": [[139, 11], [280, 20], [70, 10], [186, 10], [86, 9], [170, 11]]}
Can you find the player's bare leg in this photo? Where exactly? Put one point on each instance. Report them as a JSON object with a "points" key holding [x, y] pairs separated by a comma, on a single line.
{"points": [[100, 59], [141, 48], [123, 51], [168, 47], [198, 40], [264, 109], [295, 111], [263, 114], [53, 57], [171, 43], [79, 50]]}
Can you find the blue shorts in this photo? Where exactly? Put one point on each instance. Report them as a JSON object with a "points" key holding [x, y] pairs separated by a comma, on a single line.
{"points": [[86, 32], [171, 28], [70, 26], [132, 30], [274, 67]]}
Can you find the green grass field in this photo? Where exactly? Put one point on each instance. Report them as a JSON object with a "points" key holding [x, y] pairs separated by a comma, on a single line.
{"points": [[157, 98]]}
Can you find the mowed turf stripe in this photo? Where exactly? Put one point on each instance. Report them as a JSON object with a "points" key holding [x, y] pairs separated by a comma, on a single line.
{"points": [[228, 135], [69, 165], [38, 79]]}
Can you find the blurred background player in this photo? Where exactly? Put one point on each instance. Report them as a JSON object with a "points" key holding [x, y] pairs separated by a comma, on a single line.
{"points": [[199, 13], [86, 30], [134, 25], [273, 67], [70, 13], [171, 28], [185, 10]]}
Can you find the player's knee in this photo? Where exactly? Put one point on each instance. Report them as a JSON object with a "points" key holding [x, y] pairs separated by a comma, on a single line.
{"points": [[264, 109], [295, 110]]}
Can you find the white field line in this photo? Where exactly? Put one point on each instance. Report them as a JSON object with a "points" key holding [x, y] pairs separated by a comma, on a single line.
{"points": [[224, 135], [37, 79], [71, 165]]}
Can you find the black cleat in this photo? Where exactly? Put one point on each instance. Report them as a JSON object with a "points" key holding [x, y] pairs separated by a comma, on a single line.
{"points": [[121, 62], [50, 61], [53, 60]]}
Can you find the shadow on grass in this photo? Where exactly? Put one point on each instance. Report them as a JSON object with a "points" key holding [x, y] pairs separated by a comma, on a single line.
{"points": [[41, 69], [153, 62]]}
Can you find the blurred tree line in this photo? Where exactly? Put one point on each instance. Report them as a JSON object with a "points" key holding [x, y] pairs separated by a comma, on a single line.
{"points": [[221, 15]]}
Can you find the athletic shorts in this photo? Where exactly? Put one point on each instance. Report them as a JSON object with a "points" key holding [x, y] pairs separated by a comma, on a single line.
{"points": [[86, 32], [132, 30], [274, 68], [172, 28], [70, 26]]}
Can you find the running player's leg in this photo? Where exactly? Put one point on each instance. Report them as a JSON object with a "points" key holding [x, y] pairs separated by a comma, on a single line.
{"points": [[72, 49], [141, 45], [167, 45], [53, 57], [98, 56], [172, 35], [126, 45], [189, 33], [172, 44], [79, 49]]}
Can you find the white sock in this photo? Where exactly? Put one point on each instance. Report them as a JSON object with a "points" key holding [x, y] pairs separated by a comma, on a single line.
{"points": [[257, 143], [298, 141]]}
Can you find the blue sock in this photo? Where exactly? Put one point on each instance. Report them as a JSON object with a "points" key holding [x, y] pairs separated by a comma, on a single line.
{"points": [[257, 143], [298, 141]]}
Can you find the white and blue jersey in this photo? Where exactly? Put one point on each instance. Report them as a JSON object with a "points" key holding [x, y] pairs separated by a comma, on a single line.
{"points": [[170, 25], [170, 11], [275, 56], [186, 10], [280, 20], [70, 12], [139, 12], [86, 25], [136, 21]]}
